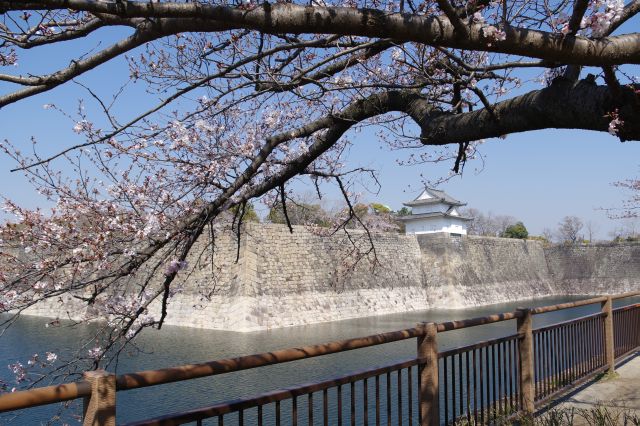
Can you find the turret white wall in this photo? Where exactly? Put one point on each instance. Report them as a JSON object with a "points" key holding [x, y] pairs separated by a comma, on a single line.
{"points": [[436, 224], [430, 208]]}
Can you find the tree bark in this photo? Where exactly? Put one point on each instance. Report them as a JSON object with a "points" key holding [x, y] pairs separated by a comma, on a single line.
{"points": [[287, 18], [563, 105]]}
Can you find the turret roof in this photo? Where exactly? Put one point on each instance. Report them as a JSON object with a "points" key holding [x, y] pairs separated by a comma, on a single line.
{"points": [[434, 196]]}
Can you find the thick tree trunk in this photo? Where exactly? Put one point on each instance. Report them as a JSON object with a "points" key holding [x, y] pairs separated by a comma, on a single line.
{"points": [[563, 105]]}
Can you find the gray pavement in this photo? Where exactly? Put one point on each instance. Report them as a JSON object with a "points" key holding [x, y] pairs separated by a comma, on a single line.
{"points": [[618, 394]]}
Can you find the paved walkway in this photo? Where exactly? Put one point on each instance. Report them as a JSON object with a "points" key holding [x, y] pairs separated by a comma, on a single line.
{"points": [[619, 394]]}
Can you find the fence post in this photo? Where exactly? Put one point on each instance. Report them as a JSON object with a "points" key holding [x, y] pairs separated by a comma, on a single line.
{"points": [[607, 309], [100, 406], [429, 392], [525, 349]]}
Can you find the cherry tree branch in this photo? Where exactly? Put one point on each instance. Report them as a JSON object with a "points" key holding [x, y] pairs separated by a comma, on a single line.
{"points": [[563, 105], [287, 18]]}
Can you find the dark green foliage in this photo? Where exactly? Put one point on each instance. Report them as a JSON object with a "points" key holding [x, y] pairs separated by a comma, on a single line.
{"points": [[249, 215], [405, 211], [516, 231]]}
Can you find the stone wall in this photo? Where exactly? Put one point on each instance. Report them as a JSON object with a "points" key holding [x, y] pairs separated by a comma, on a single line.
{"points": [[595, 268], [471, 271], [283, 279]]}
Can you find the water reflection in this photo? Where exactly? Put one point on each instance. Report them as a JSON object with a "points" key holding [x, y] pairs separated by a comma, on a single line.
{"points": [[178, 345]]}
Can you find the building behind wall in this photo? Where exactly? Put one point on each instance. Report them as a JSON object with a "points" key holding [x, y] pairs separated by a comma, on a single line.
{"points": [[435, 211]]}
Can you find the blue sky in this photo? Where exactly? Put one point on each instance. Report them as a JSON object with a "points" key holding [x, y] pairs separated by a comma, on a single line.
{"points": [[538, 177]]}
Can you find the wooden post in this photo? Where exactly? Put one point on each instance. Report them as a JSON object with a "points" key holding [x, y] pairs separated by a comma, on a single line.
{"points": [[100, 407], [429, 392], [609, 351], [525, 348]]}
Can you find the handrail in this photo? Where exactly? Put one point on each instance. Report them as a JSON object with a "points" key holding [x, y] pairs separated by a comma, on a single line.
{"points": [[191, 371], [625, 295], [478, 345], [44, 395], [570, 321], [68, 391], [276, 395], [474, 322], [568, 305]]}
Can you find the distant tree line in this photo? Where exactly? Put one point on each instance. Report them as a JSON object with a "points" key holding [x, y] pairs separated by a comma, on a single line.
{"points": [[571, 230]]}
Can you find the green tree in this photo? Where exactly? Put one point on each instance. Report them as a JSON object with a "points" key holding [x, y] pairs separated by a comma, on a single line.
{"points": [[299, 214], [405, 211], [379, 208], [516, 231], [249, 214]]}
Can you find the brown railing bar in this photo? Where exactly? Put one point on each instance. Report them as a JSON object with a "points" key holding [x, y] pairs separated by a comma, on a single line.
{"points": [[563, 355], [566, 354], [454, 393], [365, 397], [482, 384], [468, 390], [389, 398], [556, 367], [474, 322], [562, 362], [475, 385], [340, 405], [44, 395], [325, 406], [294, 411], [550, 372], [518, 373], [410, 395], [543, 364], [352, 403], [571, 321], [570, 353], [494, 393], [461, 384], [594, 347], [512, 387], [580, 343], [377, 401], [585, 359], [536, 365], [445, 379], [625, 295], [591, 348], [192, 371], [481, 344], [399, 388], [568, 305], [500, 379], [553, 345], [282, 394], [507, 377], [626, 308], [572, 360]]}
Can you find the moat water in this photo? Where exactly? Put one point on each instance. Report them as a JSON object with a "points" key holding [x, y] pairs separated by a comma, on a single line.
{"points": [[173, 346]]}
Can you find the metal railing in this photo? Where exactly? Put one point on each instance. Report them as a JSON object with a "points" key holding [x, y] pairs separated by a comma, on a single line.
{"points": [[478, 384]]}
